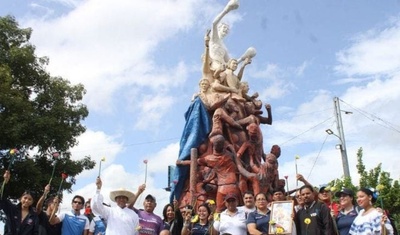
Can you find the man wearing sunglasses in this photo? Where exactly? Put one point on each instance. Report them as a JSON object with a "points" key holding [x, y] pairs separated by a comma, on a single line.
{"points": [[73, 222]]}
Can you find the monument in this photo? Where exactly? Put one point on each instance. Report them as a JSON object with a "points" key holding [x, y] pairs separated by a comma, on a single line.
{"points": [[221, 148]]}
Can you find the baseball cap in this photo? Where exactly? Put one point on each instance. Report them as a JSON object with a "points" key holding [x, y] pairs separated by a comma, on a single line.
{"points": [[150, 197], [345, 191], [230, 196], [324, 188]]}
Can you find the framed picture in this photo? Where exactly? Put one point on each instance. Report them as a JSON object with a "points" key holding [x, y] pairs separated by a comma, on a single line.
{"points": [[281, 221]]}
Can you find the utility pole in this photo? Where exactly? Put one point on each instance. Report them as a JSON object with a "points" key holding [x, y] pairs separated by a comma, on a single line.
{"points": [[343, 150]]}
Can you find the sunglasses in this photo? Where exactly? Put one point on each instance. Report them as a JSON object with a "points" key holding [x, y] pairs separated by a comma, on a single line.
{"points": [[78, 202]]}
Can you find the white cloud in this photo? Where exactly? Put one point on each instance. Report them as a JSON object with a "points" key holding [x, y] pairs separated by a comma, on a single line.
{"points": [[97, 145], [278, 86], [299, 71], [107, 45], [68, 3], [152, 110], [166, 156], [115, 176], [375, 52], [374, 124]]}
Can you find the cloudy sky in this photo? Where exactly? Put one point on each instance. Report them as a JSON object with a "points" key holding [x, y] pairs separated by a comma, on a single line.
{"points": [[140, 64]]}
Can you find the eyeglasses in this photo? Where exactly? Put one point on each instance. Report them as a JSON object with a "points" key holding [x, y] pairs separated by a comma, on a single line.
{"points": [[77, 202]]}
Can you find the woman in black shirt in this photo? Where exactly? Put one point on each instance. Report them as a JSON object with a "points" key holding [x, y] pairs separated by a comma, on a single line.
{"points": [[21, 219]]}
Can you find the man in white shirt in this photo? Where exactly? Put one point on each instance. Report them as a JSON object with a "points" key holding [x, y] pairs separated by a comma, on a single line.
{"points": [[249, 203], [120, 220]]}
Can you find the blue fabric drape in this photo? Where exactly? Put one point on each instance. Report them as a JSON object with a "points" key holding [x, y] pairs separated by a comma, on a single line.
{"points": [[197, 127]]}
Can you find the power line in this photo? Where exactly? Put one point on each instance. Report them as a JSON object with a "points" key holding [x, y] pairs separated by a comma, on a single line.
{"points": [[129, 145], [319, 111], [373, 118], [319, 153], [294, 137]]}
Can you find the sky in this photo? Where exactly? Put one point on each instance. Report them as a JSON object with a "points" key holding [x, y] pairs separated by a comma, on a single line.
{"points": [[140, 62]]}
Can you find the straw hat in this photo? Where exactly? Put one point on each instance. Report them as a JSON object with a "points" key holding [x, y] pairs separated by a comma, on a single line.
{"points": [[122, 192]]}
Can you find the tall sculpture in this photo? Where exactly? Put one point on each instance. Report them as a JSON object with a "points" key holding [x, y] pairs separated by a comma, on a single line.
{"points": [[221, 148]]}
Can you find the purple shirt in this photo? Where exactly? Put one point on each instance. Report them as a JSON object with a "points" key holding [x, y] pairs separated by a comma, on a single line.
{"points": [[149, 223]]}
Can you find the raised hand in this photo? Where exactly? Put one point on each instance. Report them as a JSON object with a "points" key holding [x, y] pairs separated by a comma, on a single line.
{"points": [[99, 183], [47, 189], [7, 176]]}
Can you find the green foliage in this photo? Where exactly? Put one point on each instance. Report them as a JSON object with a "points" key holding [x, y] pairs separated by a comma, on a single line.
{"points": [[387, 188], [37, 111]]}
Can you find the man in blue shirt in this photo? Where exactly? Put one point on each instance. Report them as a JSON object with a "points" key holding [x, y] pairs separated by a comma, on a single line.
{"points": [[74, 223]]}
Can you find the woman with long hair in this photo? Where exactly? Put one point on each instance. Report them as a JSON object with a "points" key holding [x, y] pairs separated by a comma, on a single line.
{"points": [[21, 219], [369, 220], [173, 218], [202, 226], [348, 212]]}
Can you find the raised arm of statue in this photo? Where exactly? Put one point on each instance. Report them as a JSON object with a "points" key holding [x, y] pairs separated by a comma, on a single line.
{"points": [[232, 5], [240, 74], [207, 73], [218, 52]]}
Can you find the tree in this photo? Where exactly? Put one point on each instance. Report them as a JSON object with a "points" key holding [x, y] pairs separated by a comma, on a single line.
{"points": [[35, 108], [37, 111]]}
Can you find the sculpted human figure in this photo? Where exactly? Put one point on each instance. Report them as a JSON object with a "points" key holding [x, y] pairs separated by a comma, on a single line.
{"points": [[210, 75], [219, 118], [218, 51], [206, 185], [206, 68], [213, 101], [210, 99], [232, 80], [222, 161], [250, 153], [244, 90], [268, 172], [253, 106]]}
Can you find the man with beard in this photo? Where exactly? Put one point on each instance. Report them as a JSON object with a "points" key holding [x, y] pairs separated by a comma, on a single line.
{"points": [[314, 218]]}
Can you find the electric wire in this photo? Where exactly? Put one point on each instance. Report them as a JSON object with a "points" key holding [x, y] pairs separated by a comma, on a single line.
{"points": [[129, 145], [319, 111], [319, 153], [294, 137], [373, 118]]}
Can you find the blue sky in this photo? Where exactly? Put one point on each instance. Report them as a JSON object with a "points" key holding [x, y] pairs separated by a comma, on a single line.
{"points": [[140, 63]]}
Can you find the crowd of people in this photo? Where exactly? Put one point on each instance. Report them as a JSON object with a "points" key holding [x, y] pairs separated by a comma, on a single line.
{"points": [[312, 212]]}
